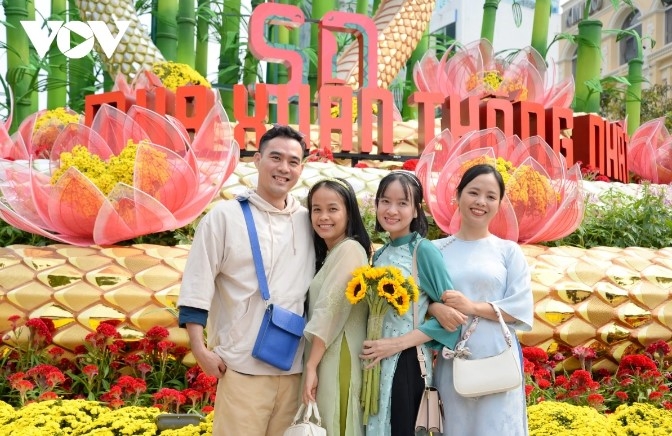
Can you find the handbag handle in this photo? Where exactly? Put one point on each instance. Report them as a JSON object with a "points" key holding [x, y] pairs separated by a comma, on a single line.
{"points": [[474, 323], [309, 412], [256, 250]]}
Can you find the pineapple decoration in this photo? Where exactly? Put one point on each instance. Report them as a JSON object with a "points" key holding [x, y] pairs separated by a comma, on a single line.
{"points": [[136, 51]]}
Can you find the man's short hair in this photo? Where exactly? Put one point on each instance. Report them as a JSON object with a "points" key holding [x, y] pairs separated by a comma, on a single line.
{"points": [[282, 131]]}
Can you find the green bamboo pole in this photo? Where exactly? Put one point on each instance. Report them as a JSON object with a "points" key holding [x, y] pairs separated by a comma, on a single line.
{"points": [[202, 37], [376, 3], [320, 7], [166, 28], [408, 112], [588, 65], [363, 7], [489, 17], [18, 58], [633, 99], [229, 61], [186, 31], [251, 62], [542, 16], [57, 77], [81, 78]]}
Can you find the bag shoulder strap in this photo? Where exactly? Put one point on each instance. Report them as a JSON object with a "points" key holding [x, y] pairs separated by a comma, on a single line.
{"points": [[414, 273], [256, 250]]}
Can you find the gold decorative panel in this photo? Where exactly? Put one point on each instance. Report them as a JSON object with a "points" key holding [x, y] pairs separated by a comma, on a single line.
{"points": [[616, 301]]}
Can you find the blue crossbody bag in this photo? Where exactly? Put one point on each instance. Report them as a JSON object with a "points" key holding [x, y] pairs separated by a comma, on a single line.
{"points": [[281, 330]]}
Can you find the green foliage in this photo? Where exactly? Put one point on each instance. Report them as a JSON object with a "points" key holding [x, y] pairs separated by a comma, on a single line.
{"points": [[367, 208], [655, 103], [620, 220]]}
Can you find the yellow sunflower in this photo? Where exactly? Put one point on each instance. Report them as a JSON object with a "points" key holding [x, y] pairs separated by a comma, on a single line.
{"points": [[411, 288], [389, 288], [401, 303], [356, 289]]}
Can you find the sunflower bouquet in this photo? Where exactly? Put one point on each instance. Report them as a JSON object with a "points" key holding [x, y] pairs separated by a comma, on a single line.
{"points": [[382, 288]]}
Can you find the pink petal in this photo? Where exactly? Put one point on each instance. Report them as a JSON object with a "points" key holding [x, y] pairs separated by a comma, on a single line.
{"points": [[164, 175], [74, 204], [158, 129], [128, 213]]}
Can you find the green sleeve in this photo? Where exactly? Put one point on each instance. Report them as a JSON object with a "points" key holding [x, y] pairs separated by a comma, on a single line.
{"points": [[434, 279]]}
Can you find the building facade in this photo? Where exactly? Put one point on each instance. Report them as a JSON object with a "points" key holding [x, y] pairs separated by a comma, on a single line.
{"points": [[461, 20], [650, 18]]}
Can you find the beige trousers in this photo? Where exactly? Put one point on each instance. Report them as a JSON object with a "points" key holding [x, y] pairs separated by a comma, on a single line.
{"points": [[255, 405]]}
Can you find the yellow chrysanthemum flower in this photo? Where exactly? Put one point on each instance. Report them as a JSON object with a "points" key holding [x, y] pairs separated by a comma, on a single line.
{"points": [[174, 74], [118, 169], [59, 116], [494, 82], [528, 190], [356, 289]]}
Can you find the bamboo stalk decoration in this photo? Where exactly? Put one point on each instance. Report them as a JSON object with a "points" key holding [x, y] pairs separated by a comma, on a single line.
{"points": [[186, 31], [202, 37], [18, 58], [588, 66], [251, 62], [633, 98], [57, 77], [81, 78], [409, 112], [320, 8], [166, 28], [489, 18], [542, 16], [229, 61]]}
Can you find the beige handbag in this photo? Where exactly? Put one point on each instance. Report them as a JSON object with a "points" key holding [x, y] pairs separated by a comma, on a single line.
{"points": [[491, 375], [306, 427], [430, 412]]}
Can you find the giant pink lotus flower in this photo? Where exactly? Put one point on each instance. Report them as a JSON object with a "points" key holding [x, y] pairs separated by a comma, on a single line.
{"points": [[74, 210], [650, 152], [474, 70], [543, 200]]}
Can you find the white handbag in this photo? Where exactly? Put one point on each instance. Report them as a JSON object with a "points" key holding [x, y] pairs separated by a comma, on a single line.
{"points": [[306, 427], [476, 377]]}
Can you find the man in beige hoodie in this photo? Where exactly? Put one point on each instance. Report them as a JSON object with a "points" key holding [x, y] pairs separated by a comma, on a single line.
{"points": [[220, 287]]}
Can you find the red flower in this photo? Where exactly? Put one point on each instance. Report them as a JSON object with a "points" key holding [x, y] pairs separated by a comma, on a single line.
{"points": [[667, 405], [39, 332], [49, 395], [635, 364], [584, 352], [107, 330], [56, 352], [361, 164], [621, 395], [528, 390], [144, 368], [157, 333], [658, 348], [410, 165], [207, 409], [535, 355], [595, 400], [655, 395], [543, 384], [90, 371]]}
